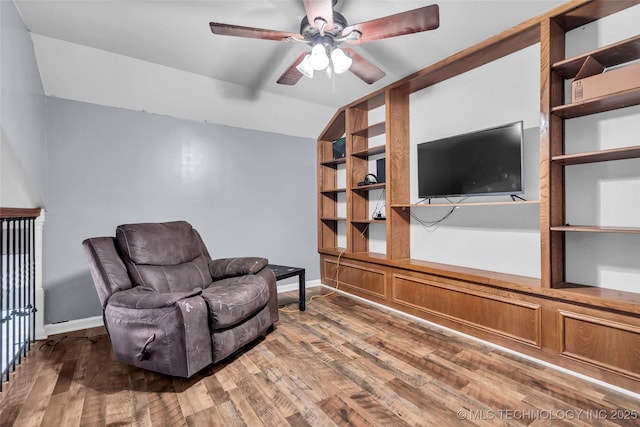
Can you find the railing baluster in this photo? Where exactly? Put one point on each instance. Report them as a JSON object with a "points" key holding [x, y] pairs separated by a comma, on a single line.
{"points": [[17, 286], [21, 290], [17, 344], [32, 282], [14, 302], [2, 303]]}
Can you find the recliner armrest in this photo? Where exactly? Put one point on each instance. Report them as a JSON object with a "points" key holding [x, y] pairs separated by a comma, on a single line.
{"points": [[239, 266], [144, 298]]}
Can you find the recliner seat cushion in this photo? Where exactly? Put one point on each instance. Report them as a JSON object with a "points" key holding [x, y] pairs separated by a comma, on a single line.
{"points": [[232, 300]]}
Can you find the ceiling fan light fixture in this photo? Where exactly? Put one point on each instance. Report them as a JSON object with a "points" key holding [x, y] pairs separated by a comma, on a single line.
{"points": [[318, 58], [340, 60], [305, 67]]}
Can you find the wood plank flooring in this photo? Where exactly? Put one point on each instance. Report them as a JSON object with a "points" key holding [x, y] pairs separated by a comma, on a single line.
{"points": [[340, 363]]}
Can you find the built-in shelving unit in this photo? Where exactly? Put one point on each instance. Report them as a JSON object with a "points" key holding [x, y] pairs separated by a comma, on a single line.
{"points": [[329, 222], [571, 325], [560, 72]]}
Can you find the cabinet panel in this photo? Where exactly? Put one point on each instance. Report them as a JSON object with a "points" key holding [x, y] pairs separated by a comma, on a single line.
{"points": [[610, 345], [514, 319], [369, 281]]}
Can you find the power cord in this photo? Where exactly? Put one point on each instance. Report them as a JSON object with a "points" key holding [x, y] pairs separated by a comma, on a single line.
{"points": [[377, 211], [285, 309], [432, 226], [54, 343], [337, 280]]}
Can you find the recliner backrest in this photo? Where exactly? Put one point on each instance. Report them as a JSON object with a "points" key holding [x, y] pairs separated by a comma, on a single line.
{"points": [[167, 257]]}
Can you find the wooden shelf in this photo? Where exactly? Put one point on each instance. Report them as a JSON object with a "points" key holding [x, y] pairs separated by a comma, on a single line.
{"points": [[371, 131], [333, 218], [626, 98], [595, 229], [609, 298], [609, 56], [369, 187], [598, 156], [378, 149], [369, 255], [449, 205], [331, 250], [334, 162], [368, 221], [335, 190]]}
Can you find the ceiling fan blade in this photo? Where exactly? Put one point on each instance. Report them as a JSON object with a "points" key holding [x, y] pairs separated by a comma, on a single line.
{"points": [[319, 9], [251, 32], [412, 21], [364, 69], [291, 76]]}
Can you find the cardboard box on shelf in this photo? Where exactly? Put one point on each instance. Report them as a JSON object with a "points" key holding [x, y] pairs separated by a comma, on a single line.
{"points": [[593, 80]]}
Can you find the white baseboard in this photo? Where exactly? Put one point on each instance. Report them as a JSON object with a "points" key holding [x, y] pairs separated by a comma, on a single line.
{"points": [[73, 325], [294, 286], [490, 344]]}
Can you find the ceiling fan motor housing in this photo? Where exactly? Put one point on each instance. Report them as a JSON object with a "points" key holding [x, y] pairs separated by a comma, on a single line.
{"points": [[309, 31]]}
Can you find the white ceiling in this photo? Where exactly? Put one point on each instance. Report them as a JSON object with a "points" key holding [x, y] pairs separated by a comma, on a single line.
{"points": [[176, 34]]}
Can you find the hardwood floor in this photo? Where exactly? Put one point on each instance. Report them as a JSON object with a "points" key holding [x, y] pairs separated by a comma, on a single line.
{"points": [[342, 362]]}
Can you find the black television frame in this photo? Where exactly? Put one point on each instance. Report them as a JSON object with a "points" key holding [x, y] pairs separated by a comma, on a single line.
{"points": [[466, 138]]}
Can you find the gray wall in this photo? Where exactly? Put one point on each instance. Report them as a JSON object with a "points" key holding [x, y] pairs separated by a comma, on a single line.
{"points": [[22, 100], [247, 192]]}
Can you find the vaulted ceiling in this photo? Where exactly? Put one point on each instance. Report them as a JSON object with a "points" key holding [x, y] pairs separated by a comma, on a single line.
{"points": [[176, 34]]}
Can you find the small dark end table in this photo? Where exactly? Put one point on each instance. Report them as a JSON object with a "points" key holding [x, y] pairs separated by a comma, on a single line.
{"points": [[284, 272]]}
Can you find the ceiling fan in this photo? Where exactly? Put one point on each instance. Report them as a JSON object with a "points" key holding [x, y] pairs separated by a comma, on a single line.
{"points": [[325, 30]]}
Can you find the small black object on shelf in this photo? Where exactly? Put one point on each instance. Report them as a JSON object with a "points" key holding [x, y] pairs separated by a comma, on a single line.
{"points": [[339, 148]]}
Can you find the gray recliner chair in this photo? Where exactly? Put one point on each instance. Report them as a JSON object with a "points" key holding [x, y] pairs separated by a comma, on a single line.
{"points": [[168, 307]]}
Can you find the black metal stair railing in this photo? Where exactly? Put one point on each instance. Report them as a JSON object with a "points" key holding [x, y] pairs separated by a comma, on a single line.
{"points": [[17, 293]]}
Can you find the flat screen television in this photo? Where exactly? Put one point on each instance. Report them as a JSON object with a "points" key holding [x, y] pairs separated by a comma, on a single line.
{"points": [[485, 162]]}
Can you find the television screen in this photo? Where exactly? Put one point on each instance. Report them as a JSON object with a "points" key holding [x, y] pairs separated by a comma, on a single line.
{"points": [[486, 162]]}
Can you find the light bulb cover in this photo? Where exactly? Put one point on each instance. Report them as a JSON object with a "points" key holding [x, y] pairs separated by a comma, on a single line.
{"points": [[318, 58], [305, 67], [340, 60]]}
